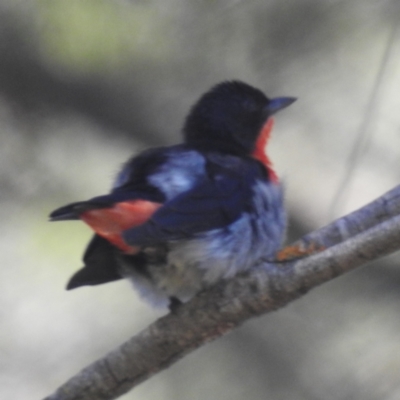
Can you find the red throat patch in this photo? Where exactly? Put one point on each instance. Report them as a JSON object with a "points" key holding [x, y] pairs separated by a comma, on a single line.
{"points": [[259, 151], [111, 222]]}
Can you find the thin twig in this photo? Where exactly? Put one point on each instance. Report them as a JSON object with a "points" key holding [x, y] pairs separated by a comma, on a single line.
{"points": [[363, 134]]}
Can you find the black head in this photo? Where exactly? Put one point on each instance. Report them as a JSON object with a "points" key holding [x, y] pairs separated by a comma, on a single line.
{"points": [[229, 117]]}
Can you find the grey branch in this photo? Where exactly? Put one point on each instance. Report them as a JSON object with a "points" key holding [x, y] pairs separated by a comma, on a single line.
{"points": [[351, 241]]}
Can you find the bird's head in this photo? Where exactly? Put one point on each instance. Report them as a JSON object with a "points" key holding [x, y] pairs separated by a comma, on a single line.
{"points": [[230, 118]]}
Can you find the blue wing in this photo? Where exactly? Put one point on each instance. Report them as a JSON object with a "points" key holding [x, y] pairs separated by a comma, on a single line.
{"points": [[217, 201]]}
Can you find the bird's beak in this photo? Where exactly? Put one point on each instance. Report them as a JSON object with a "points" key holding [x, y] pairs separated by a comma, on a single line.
{"points": [[279, 103]]}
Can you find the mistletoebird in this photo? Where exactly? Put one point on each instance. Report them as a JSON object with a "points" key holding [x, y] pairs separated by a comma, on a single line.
{"points": [[180, 218]]}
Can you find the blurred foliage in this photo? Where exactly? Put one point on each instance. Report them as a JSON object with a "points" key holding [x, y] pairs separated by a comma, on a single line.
{"points": [[99, 34]]}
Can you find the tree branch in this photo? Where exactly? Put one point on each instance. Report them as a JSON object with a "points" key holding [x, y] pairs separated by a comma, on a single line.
{"points": [[381, 209], [367, 234]]}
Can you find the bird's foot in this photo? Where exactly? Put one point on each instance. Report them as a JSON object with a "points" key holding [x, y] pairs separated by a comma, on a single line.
{"points": [[297, 251]]}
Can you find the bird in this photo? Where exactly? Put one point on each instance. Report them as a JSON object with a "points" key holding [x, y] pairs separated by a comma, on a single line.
{"points": [[179, 219]]}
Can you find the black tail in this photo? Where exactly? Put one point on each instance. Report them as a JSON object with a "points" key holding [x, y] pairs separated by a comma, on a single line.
{"points": [[74, 210], [101, 265], [71, 211]]}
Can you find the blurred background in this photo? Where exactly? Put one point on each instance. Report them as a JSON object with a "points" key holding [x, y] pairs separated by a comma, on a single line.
{"points": [[84, 84]]}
